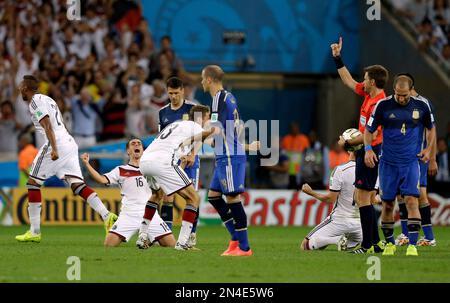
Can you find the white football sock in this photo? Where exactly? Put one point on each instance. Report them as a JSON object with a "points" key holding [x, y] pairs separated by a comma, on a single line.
{"points": [[34, 212], [319, 242], [186, 228], [94, 201], [145, 225]]}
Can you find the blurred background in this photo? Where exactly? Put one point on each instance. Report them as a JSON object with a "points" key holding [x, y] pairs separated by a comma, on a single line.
{"points": [[107, 73]]}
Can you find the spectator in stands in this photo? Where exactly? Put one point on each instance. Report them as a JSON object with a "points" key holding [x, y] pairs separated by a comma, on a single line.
{"points": [[294, 144], [314, 166], [431, 36], [135, 115], [439, 7], [84, 114], [114, 117], [446, 52], [279, 173], [27, 153], [441, 182], [416, 10], [9, 128], [159, 99], [337, 156]]}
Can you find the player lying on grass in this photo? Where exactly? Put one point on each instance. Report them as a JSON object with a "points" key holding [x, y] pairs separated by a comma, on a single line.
{"points": [[343, 226], [135, 193]]}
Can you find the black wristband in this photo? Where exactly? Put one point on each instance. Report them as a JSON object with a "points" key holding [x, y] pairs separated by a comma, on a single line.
{"points": [[338, 61]]}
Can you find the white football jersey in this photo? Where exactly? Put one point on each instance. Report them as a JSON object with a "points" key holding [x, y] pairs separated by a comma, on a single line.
{"points": [[169, 139], [341, 180], [41, 106], [133, 186]]}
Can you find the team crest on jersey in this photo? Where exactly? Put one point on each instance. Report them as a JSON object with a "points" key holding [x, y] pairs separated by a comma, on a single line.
{"points": [[38, 114], [186, 117], [214, 117], [415, 114]]}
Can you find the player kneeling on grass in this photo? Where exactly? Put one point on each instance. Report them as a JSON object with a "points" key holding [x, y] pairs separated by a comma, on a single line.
{"points": [[343, 226], [160, 161], [135, 193]]}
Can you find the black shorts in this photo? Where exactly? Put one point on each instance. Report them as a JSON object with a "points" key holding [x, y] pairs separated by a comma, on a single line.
{"points": [[366, 177]]}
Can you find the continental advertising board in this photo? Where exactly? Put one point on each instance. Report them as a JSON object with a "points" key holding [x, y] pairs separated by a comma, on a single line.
{"points": [[263, 207]]}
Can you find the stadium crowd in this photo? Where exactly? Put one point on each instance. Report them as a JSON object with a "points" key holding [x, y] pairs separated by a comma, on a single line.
{"points": [[432, 21], [108, 79], [104, 68]]}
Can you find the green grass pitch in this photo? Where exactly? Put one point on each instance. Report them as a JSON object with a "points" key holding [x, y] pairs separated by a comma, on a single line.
{"points": [[276, 259]]}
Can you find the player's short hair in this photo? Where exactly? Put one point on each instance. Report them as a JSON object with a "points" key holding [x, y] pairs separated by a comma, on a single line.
{"points": [[406, 75], [131, 139], [31, 82], [379, 74], [204, 109], [403, 80], [174, 82], [214, 72]]}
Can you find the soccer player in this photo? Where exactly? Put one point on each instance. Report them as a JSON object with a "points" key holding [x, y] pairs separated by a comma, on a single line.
{"points": [[135, 192], [58, 156], [178, 109], [429, 168], [343, 226], [229, 172], [403, 118], [160, 161], [372, 89]]}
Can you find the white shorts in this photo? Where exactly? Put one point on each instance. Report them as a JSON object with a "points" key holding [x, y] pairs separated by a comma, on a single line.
{"points": [[334, 227], [128, 224], [68, 164], [171, 178]]}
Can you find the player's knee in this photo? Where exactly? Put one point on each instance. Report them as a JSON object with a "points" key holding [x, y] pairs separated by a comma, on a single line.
{"points": [[388, 207], [167, 241], [112, 240], [33, 182]]}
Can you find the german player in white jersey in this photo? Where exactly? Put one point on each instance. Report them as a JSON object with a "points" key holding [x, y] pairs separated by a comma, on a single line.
{"points": [[160, 161], [135, 193], [58, 156], [343, 226]]}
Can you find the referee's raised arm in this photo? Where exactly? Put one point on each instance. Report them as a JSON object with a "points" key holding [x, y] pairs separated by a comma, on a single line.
{"points": [[342, 70]]}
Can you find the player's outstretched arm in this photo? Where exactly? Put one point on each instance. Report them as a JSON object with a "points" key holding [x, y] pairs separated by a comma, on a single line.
{"points": [[45, 122], [94, 174], [329, 197], [344, 73]]}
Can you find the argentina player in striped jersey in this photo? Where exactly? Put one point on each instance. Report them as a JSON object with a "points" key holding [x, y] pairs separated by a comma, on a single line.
{"points": [[178, 109], [229, 172], [426, 169], [343, 226]]}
